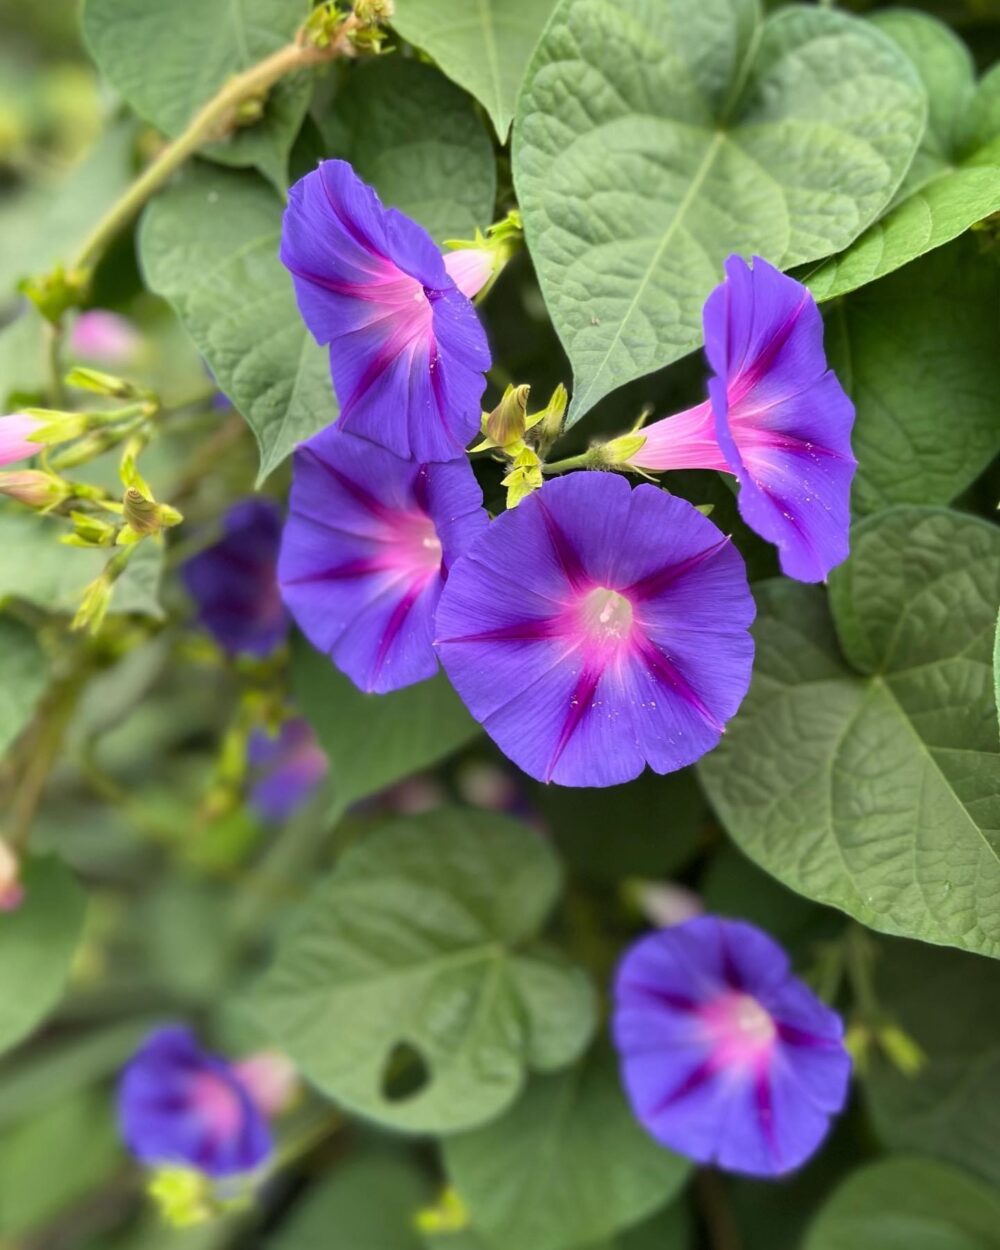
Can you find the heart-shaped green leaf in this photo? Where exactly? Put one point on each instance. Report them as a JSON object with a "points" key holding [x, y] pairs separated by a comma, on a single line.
{"points": [[170, 57], [869, 778], [954, 180], [417, 959], [566, 1166], [908, 1204], [651, 141]]}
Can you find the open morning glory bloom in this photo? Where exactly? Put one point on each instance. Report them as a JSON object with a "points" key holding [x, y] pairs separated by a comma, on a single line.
{"points": [[596, 629], [366, 549], [776, 417], [407, 351], [725, 1056], [16, 432], [285, 769], [179, 1105], [234, 581]]}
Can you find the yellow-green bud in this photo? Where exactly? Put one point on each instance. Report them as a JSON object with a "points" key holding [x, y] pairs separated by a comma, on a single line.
{"points": [[618, 451], [550, 419], [89, 531], [183, 1196], [448, 1215], [901, 1049], [34, 488], [506, 423], [100, 383]]}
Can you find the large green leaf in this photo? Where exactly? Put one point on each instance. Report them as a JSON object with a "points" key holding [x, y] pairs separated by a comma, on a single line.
{"points": [[38, 568], [421, 946], [954, 180], [25, 672], [415, 137], [37, 943], [908, 1204], [949, 1004], [366, 1203], [210, 244], [870, 779], [996, 664], [374, 740], [652, 140], [169, 58], [566, 1166], [484, 47], [917, 352]]}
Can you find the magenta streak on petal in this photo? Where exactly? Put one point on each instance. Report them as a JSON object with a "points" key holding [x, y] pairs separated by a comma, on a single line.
{"points": [[676, 1002], [357, 493], [730, 972], [765, 1110], [745, 380], [395, 623], [520, 631], [400, 341], [694, 1080], [566, 553], [579, 705], [339, 572], [656, 583], [665, 671], [348, 224], [793, 1036]]}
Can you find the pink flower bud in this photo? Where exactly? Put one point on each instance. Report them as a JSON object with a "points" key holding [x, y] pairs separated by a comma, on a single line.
{"points": [[470, 268], [104, 337], [270, 1079], [15, 437], [664, 904], [11, 889], [32, 487]]}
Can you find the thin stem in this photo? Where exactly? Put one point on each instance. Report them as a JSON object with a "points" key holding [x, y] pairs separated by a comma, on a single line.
{"points": [[584, 461], [212, 121], [717, 1214], [53, 364]]}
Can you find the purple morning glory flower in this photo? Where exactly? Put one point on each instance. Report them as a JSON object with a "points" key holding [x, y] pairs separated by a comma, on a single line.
{"points": [[726, 1057], [777, 418], [234, 581], [179, 1105], [596, 629], [407, 351], [366, 549], [285, 769]]}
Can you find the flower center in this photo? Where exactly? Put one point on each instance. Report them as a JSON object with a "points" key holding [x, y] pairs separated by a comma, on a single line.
{"points": [[741, 1030], [218, 1106], [606, 615], [416, 548]]}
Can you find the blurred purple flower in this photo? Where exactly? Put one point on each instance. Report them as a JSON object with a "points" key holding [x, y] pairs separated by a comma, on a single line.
{"points": [[777, 418], [596, 629], [285, 769], [16, 432], [407, 352], [104, 337], [366, 549], [726, 1057], [234, 581], [179, 1105]]}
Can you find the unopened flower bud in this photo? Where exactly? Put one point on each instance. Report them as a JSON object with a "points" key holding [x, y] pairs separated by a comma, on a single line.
{"points": [[11, 889], [618, 451], [34, 488], [550, 419], [104, 337], [373, 12], [662, 903], [901, 1049], [271, 1079], [183, 1196], [470, 268], [16, 437], [100, 383], [89, 531], [474, 264], [506, 423], [53, 294], [144, 515], [448, 1215]]}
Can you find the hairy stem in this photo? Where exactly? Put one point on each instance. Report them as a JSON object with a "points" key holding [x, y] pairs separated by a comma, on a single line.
{"points": [[211, 122]]}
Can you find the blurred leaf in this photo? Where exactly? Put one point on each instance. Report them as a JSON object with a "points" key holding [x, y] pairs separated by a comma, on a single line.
{"points": [[366, 1202], [486, 52], [423, 940], [25, 672], [416, 138], [908, 1204], [37, 944], [949, 1004], [567, 1165], [648, 828], [374, 740], [39, 569], [917, 353], [871, 780], [667, 1230], [996, 664], [210, 246], [954, 180], [22, 363], [53, 1158], [169, 58], [652, 141]]}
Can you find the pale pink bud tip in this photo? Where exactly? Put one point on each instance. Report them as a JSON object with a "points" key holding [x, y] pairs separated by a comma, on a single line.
{"points": [[15, 437], [664, 904], [270, 1079], [470, 268], [104, 337], [31, 487], [11, 889]]}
